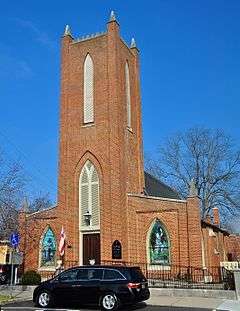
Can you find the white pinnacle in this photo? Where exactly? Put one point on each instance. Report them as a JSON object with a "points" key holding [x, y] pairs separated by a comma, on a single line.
{"points": [[112, 17], [133, 43], [25, 206], [193, 189], [67, 31]]}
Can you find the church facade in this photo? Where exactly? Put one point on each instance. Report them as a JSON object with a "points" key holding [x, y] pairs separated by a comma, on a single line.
{"points": [[110, 209]]}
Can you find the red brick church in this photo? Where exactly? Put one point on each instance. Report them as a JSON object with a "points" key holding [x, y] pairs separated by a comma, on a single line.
{"points": [[110, 209]]}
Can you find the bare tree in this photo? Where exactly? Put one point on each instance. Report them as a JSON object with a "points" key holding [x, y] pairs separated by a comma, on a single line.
{"points": [[41, 202], [207, 156], [12, 182]]}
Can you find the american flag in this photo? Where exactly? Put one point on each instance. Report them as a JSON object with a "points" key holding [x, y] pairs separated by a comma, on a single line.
{"points": [[61, 246]]}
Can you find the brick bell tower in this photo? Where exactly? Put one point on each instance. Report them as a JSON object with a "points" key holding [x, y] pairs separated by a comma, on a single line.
{"points": [[100, 156]]}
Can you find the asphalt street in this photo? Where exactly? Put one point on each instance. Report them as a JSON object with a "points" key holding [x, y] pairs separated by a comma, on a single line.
{"points": [[28, 306]]}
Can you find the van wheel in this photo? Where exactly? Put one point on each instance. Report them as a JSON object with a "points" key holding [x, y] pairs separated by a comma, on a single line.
{"points": [[109, 302], [44, 299]]}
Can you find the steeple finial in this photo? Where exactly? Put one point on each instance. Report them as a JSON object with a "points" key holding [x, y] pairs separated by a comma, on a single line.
{"points": [[133, 43], [67, 31], [25, 205], [112, 17], [193, 189]]}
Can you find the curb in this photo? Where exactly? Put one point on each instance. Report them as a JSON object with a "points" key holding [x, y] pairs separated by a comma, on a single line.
{"points": [[14, 300]]}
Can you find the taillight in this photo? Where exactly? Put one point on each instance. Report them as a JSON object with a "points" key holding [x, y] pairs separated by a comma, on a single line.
{"points": [[1, 270], [134, 285]]}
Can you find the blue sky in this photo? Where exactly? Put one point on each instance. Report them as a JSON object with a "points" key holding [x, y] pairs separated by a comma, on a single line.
{"points": [[190, 70]]}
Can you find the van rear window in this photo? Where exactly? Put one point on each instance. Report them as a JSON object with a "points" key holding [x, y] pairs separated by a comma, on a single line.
{"points": [[137, 275]]}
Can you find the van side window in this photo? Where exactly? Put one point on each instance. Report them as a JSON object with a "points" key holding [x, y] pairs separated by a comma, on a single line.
{"points": [[68, 276], [82, 274], [113, 275], [95, 274]]}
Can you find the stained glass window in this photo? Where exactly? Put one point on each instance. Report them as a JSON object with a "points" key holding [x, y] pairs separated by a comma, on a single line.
{"points": [[48, 249], [159, 245]]}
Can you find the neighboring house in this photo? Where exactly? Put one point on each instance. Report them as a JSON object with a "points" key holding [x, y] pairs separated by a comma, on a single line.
{"points": [[234, 247], [5, 251], [215, 241]]}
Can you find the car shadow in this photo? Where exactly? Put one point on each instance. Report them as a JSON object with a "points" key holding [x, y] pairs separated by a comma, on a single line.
{"points": [[138, 306], [70, 306]]}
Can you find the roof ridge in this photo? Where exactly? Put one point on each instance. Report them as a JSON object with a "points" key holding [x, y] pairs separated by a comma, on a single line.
{"points": [[42, 210]]}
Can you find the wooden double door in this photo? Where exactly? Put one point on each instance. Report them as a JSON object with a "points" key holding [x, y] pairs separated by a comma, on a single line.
{"points": [[91, 248]]}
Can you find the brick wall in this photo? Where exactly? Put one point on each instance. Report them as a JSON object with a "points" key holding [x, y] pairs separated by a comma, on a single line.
{"points": [[115, 150], [215, 244], [31, 229], [174, 215], [233, 247]]}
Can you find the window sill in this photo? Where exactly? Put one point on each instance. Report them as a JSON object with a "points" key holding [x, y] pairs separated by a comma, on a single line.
{"points": [[130, 129], [88, 125], [159, 267], [50, 269]]}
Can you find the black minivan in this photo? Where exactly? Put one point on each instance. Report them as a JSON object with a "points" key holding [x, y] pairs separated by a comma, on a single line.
{"points": [[106, 286]]}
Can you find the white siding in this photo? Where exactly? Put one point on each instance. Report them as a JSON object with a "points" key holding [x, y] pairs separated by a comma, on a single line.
{"points": [[88, 90]]}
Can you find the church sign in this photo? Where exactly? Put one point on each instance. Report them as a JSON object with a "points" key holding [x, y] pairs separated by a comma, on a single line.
{"points": [[116, 250]]}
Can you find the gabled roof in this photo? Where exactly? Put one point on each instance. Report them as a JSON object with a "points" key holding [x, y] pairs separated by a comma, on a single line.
{"points": [[157, 188], [214, 227]]}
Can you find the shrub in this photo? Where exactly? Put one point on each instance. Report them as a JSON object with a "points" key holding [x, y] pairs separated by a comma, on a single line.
{"points": [[31, 277]]}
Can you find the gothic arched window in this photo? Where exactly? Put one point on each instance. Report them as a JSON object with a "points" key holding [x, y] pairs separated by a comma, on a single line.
{"points": [[89, 196], [128, 94], [159, 246], [48, 248], [88, 90]]}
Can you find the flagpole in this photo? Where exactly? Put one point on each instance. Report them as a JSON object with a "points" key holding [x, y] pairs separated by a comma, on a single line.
{"points": [[61, 248], [63, 260]]}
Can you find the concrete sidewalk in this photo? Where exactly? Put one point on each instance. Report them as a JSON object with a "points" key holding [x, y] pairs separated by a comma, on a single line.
{"points": [[18, 293]]}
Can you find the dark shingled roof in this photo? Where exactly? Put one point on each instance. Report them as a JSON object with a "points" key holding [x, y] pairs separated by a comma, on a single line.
{"points": [[214, 227], [156, 188]]}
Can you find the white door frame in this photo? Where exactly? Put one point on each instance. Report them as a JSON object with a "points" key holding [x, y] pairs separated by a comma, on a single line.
{"points": [[81, 243]]}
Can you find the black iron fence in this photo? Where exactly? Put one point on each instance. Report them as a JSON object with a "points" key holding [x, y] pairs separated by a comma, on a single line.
{"points": [[173, 276], [49, 274]]}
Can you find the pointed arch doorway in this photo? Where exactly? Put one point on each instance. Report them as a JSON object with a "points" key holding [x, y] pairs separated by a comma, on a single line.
{"points": [[89, 215]]}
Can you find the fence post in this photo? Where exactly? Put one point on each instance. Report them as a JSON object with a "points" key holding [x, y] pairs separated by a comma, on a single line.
{"points": [[237, 283]]}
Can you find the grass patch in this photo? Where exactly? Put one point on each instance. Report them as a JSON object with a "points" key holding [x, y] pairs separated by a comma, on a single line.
{"points": [[5, 298]]}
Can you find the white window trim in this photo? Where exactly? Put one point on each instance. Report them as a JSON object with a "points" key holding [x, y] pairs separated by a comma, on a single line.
{"points": [[89, 184], [88, 94], [128, 95]]}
